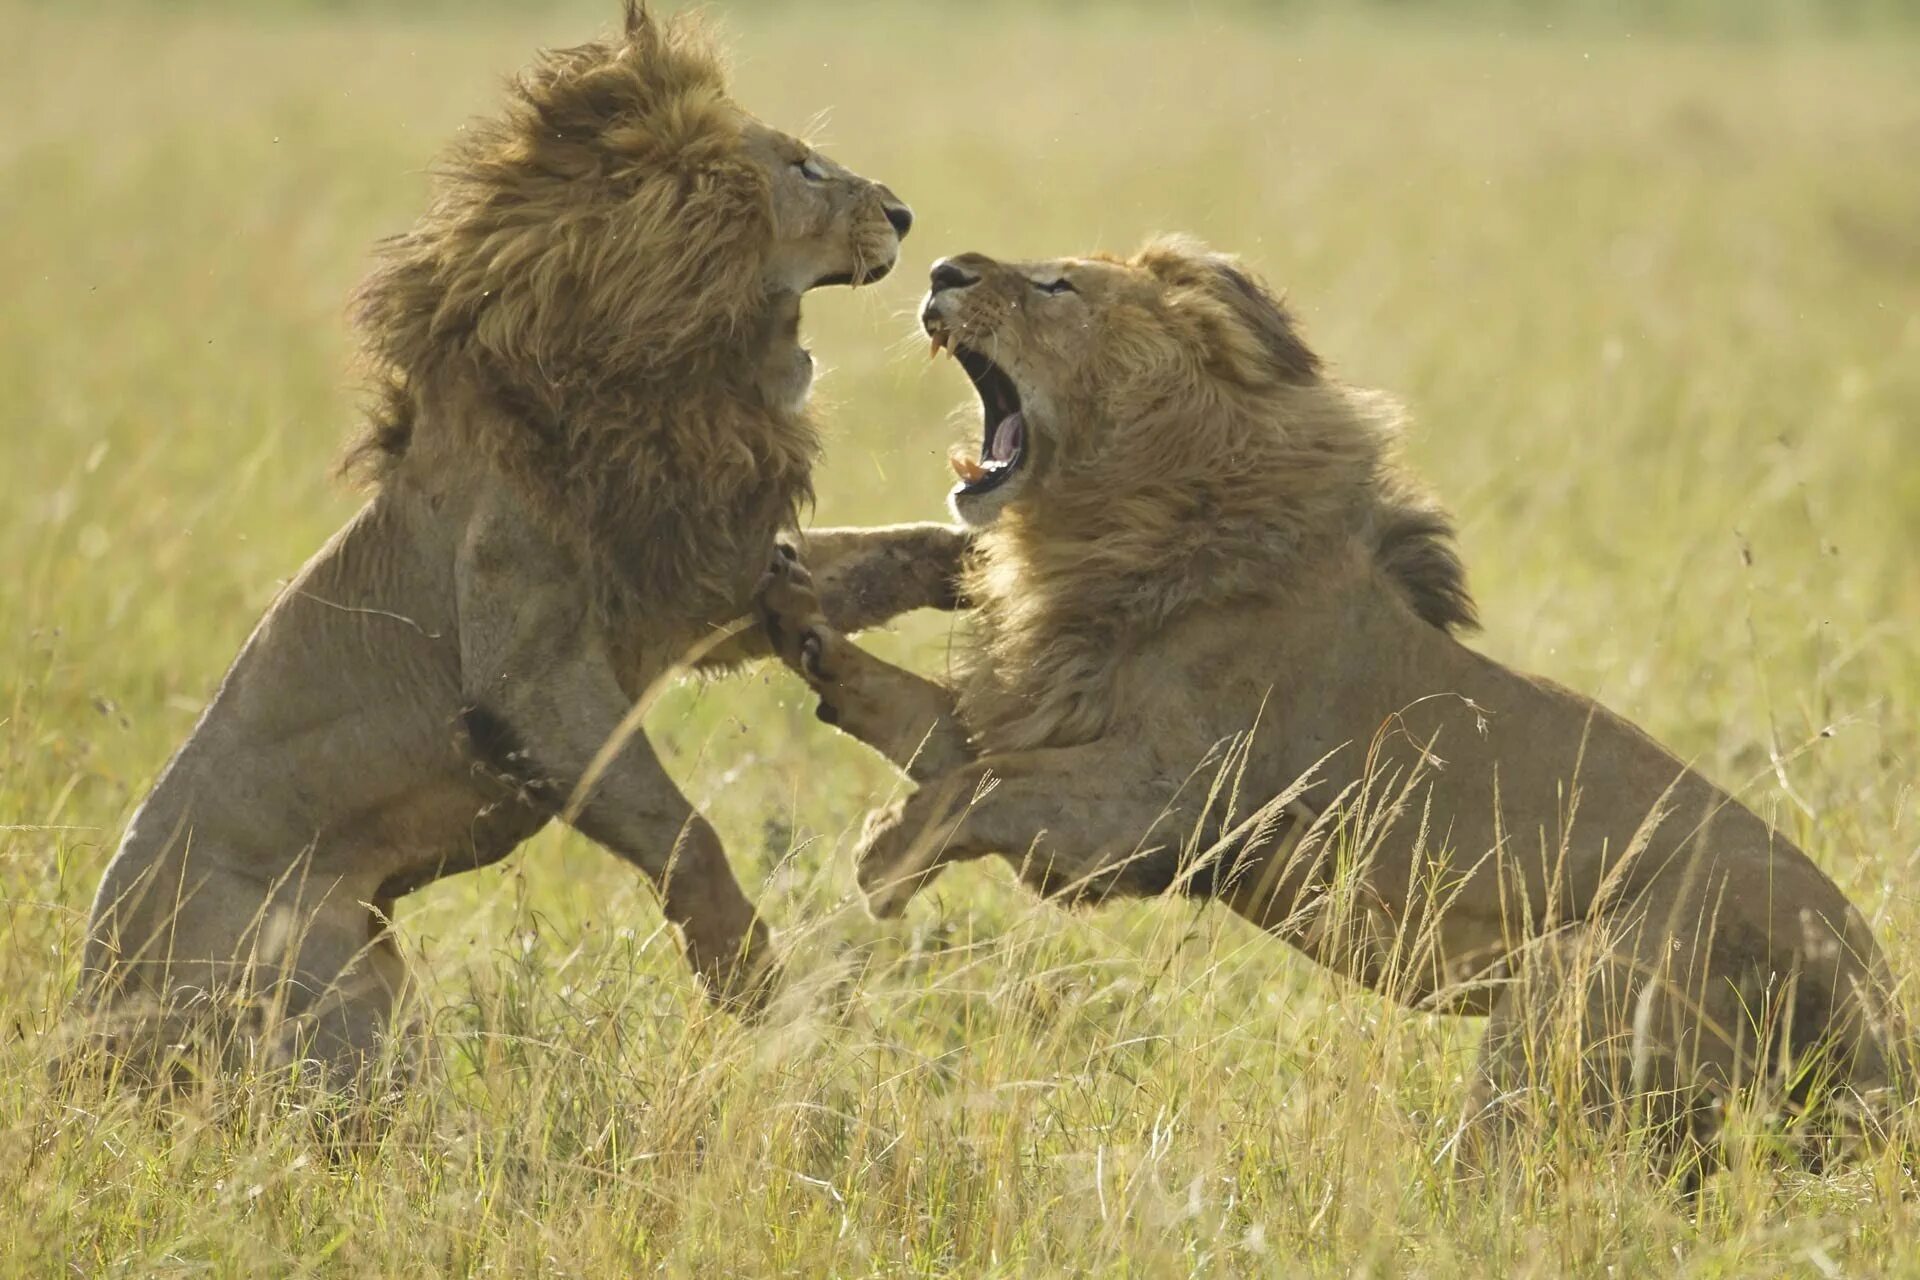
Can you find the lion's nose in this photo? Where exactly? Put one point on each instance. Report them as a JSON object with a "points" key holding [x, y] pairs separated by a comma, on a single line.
{"points": [[948, 274], [901, 217]]}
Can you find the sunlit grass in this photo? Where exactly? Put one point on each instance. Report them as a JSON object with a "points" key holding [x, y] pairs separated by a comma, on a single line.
{"points": [[1654, 305]]}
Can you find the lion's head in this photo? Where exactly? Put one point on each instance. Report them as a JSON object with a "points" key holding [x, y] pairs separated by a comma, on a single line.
{"points": [[622, 216], [1075, 358], [1163, 409], [602, 302]]}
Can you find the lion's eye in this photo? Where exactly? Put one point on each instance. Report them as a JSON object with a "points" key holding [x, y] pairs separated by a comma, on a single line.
{"points": [[810, 170], [1062, 285]]}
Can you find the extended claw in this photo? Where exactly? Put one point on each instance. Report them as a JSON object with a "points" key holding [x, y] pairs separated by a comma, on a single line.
{"points": [[811, 647]]}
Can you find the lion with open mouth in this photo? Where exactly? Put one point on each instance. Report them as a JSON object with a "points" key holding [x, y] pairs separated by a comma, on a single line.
{"points": [[593, 427], [1196, 549]]}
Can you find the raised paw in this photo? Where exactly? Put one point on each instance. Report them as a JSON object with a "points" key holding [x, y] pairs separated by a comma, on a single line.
{"points": [[789, 611], [876, 854], [799, 632]]}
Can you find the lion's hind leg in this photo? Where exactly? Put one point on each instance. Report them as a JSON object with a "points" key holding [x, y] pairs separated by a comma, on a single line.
{"points": [[166, 991], [333, 1014], [239, 978], [1569, 1058], [1648, 1036], [1802, 1030]]}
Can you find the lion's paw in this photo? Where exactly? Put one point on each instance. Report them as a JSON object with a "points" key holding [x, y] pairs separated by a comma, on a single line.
{"points": [[897, 856], [799, 632], [876, 855], [743, 978], [791, 616]]}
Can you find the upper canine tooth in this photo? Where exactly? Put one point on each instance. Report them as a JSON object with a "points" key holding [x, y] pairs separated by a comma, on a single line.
{"points": [[933, 346]]}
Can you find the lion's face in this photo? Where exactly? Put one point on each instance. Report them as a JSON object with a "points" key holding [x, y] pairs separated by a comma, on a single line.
{"points": [[830, 225], [1075, 356]]}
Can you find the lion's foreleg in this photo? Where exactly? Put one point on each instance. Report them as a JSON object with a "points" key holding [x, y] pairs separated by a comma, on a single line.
{"points": [[910, 720], [546, 710], [907, 718], [866, 578], [601, 775], [1074, 821]]}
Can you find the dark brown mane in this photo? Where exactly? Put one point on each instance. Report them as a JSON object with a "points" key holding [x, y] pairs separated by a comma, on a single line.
{"points": [[1415, 546]]}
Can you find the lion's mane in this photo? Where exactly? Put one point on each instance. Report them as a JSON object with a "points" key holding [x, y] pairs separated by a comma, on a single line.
{"points": [[1215, 489], [578, 308]]}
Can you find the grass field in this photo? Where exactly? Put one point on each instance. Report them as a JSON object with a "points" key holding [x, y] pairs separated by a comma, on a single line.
{"points": [[1654, 301]]}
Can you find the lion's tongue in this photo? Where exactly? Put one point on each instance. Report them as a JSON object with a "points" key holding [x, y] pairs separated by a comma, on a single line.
{"points": [[1006, 440], [1001, 450]]}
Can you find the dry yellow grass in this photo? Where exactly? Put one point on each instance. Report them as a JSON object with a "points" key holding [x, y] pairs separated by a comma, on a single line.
{"points": [[1655, 304]]}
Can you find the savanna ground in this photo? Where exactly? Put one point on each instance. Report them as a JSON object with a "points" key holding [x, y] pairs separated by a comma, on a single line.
{"points": [[1653, 295]]}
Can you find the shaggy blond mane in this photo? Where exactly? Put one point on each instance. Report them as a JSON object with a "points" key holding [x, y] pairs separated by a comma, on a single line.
{"points": [[1212, 491], [579, 308]]}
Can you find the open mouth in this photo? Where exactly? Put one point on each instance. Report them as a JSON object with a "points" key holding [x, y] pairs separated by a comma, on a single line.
{"points": [[1004, 441]]}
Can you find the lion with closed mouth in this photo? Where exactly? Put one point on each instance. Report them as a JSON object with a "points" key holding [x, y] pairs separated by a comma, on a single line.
{"points": [[593, 426], [1194, 545]]}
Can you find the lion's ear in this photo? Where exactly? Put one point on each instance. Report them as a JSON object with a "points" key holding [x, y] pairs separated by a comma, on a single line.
{"points": [[1259, 345]]}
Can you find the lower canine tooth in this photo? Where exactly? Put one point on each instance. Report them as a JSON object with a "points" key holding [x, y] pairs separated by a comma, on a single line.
{"points": [[966, 468]]}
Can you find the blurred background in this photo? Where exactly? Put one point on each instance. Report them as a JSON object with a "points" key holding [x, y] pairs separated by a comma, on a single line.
{"points": [[1647, 276]]}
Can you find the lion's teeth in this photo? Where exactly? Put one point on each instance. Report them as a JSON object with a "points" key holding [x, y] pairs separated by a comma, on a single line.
{"points": [[933, 347], [969, 471]]}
